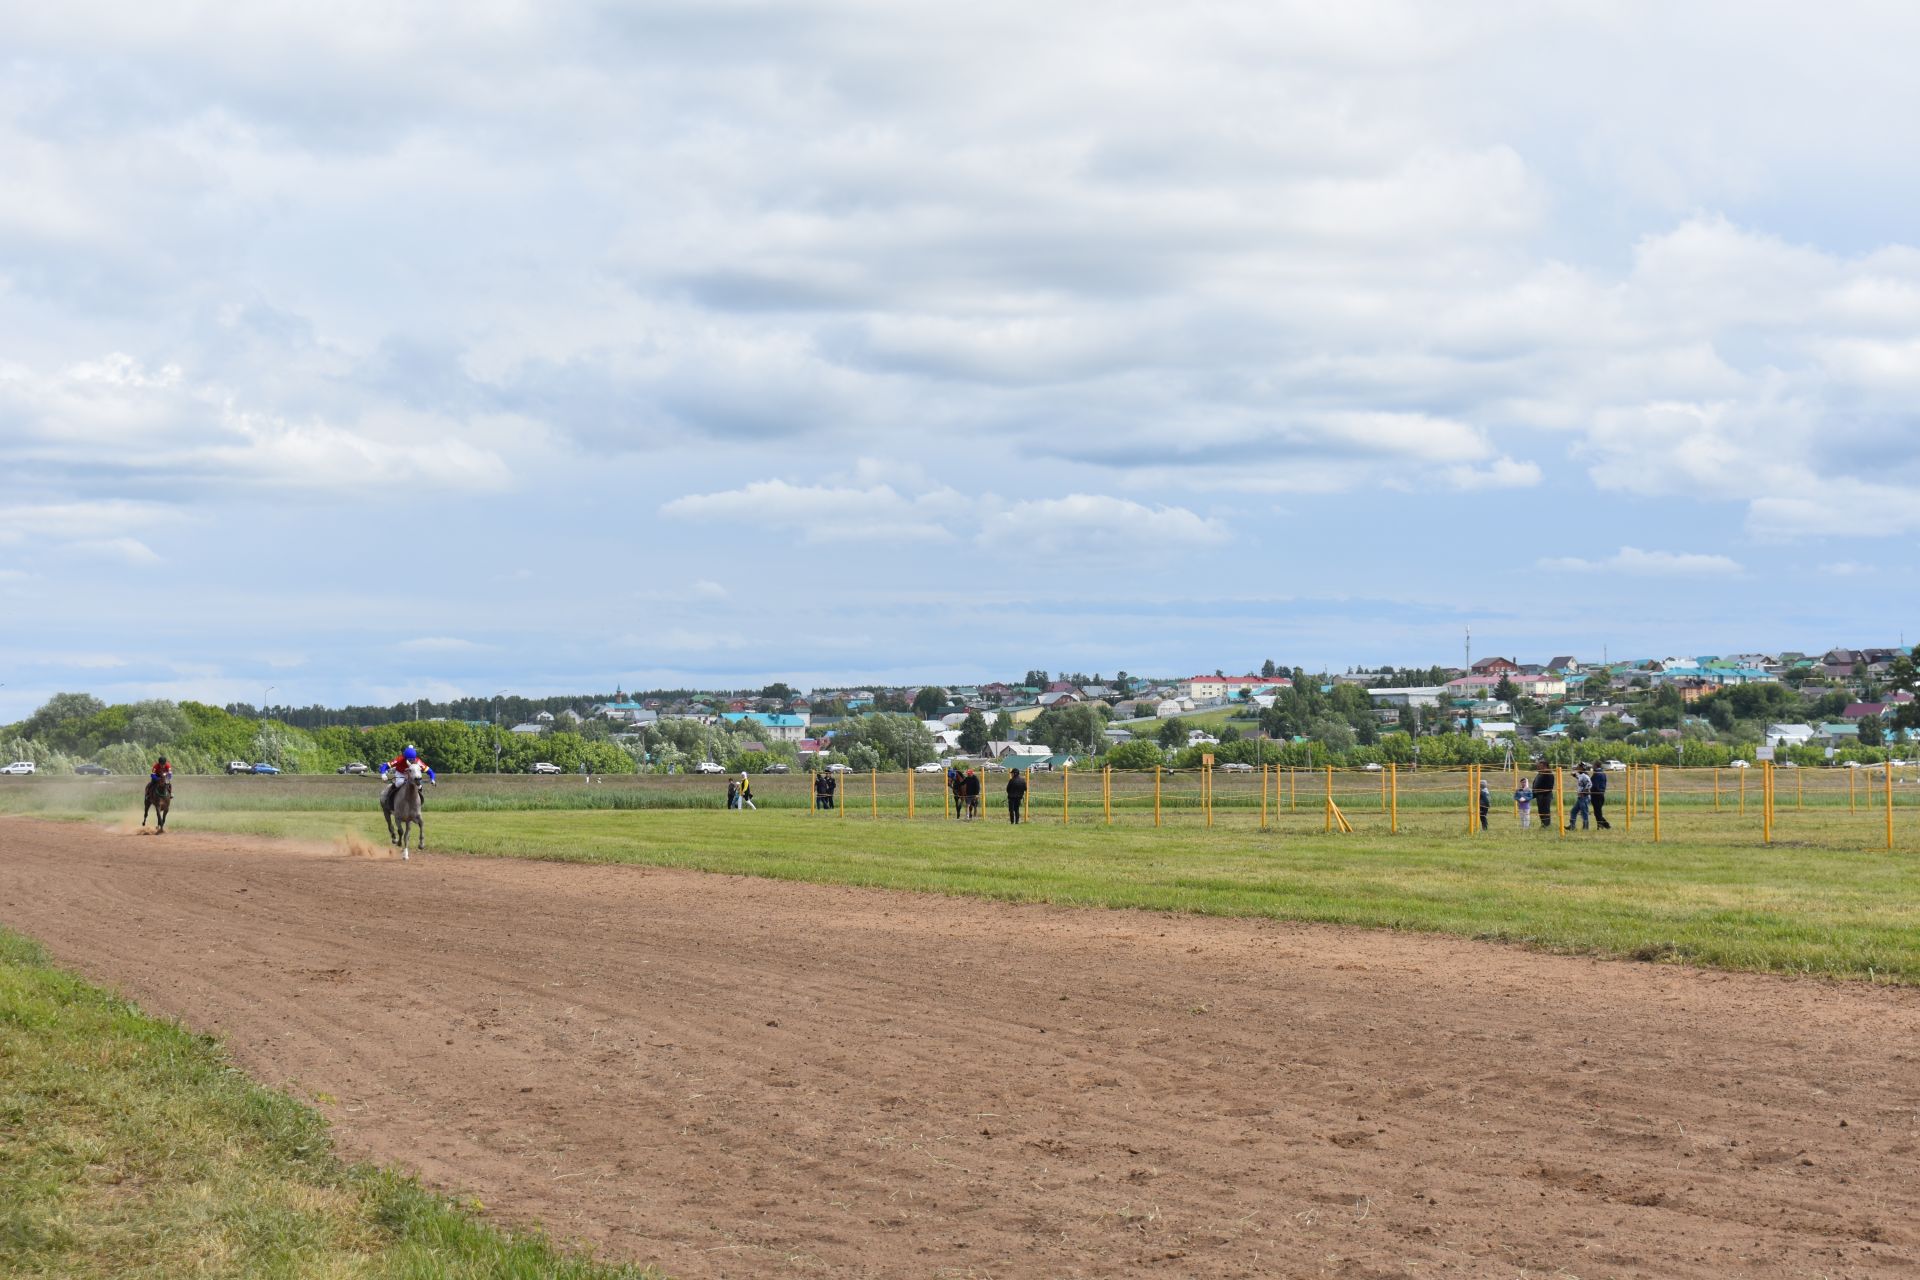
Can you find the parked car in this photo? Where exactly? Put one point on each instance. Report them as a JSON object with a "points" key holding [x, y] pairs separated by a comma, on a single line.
{"points": [[832, 768], [354, 767], [1235, 766], [1372, 766], [544, 766], [19, 766], [777, 768], [238, 766], [1739, 764], [931, 766], [93, 770], [1616, 766], [264, 768], [708, 766]]}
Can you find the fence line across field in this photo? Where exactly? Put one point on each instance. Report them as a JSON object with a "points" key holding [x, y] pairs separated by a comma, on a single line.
{"points": [[1753, 800]]}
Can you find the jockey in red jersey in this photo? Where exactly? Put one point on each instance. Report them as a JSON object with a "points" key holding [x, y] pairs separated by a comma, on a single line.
{"points": [[397, 769], [162, 771]]}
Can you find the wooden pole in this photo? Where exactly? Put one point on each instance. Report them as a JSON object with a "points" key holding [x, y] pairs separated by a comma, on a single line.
{"points": [[1106, 793], [1329, 823], [1066, 798], [1206, 792], [1629, 797], [910, 793], [1393, 777], [1156, 795], [1263, 797], [1656, 804], [1716, 788]]}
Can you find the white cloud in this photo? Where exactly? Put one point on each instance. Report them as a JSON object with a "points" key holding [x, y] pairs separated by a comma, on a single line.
{"points": [[131, 550], [1084, 526], [819, 513], [707, 589], [1632, 560]]}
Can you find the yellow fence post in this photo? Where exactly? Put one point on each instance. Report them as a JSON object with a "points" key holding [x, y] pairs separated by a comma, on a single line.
{"points": [[1470, 799], [1560, 798], [1263, 797], [1329, 826], [1206, 791], [1393, 782], [1106, 793], [1716, 788], [1066, 798], [909, 792], [1766, 802], [1156, 795], [1656, 804], [1889, 791], [1629, 797]]}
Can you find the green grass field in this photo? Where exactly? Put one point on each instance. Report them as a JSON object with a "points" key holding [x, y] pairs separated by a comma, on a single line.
{"points": [[130, 1147], [1825, 898]]}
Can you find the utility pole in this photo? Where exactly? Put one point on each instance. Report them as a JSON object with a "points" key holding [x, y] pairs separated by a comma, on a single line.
{"points": [[1469, 667]]}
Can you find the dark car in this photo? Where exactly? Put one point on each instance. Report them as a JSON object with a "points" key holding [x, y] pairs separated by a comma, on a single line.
{"points": [[777, 768], [93, 770]]}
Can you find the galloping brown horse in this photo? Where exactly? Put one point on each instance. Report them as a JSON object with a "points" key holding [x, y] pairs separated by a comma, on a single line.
{"points": [[159, 799]]}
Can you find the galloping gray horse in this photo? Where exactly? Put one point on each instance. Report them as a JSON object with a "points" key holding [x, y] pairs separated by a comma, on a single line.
{"points": [[407, 804]]}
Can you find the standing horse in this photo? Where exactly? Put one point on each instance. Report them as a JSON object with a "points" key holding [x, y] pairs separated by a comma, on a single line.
{"points": [[405, 812], [159, 799]]}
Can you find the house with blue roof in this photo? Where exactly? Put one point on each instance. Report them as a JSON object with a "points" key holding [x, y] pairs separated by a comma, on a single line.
{"points": [[776, 726]]}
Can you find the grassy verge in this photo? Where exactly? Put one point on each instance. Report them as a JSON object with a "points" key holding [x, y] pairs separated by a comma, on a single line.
{"points": [[129, 1147]]}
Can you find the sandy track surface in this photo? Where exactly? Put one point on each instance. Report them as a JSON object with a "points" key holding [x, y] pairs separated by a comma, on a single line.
{"points": [[734, 1077]]}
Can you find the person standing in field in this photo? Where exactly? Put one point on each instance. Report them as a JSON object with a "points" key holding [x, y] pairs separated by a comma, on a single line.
{"points": [[1599, 795], [1486, 802], [1543, 796], [733, 795], [746, 791], [1523, 801], [1016, 796], [971, 788], [1582, 799]]}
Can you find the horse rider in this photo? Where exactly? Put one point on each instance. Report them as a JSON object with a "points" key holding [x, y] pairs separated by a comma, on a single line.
{"points": [[162, 772], [396, 770]]}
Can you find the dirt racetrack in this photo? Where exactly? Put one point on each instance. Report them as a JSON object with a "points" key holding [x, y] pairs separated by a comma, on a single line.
{"points": [[734, 1077]]}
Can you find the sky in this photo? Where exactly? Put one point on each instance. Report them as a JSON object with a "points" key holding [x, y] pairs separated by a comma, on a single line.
{"points": [[365, 352]]}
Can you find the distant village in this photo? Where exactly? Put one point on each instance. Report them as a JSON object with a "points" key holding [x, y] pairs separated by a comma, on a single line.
{"points": [[1840, 697]]}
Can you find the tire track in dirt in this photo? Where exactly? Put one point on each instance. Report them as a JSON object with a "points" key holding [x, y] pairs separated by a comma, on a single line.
{"points": [[735, 1077]]}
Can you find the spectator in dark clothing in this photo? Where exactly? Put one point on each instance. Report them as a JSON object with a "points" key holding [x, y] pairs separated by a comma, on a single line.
{"points": [[1486, 802], [822, 791], [1016, 796], [1599, 797], [1543, 799]]}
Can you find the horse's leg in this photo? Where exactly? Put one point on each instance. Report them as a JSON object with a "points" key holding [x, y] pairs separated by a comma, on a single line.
{"points": [[145, 805], [160, 812]]}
